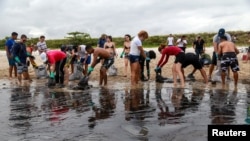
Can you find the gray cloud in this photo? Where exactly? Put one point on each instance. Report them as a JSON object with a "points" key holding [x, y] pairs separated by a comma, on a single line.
{"points": [[55, 18]]}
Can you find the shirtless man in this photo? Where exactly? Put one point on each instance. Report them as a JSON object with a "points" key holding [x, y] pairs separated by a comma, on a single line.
{"points": [[98, 54], [228, 52]]}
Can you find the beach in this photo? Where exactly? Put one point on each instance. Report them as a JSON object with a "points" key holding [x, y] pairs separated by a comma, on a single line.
{"points": [[244, 72]]}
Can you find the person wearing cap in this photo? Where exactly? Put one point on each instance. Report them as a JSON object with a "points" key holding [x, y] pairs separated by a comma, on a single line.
{"points": [[199, 46], [216, 41], [20, 57], [41, 45], [56, 60], [8, 46], [228, 52]]}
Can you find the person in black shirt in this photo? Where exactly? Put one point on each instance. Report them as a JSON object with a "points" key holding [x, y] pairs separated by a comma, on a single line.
{"points": [[199, 46], [149, 55]]}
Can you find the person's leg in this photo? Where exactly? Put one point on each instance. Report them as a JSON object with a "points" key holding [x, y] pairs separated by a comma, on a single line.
{"points": [[204, 75], [105, 77], [235, 78], [223, 75], [19, 73], [213, 63], [137, 72], [126, 66], [15, 70], [11, 67], [141, 72], [101, 77], [61, 74], [178, 70], [10, 71], [182, 71], [57, 70], [174, 74], [133, 72]]}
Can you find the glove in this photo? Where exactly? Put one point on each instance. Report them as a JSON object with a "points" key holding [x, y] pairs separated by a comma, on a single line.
{"points": [[17, 59], [52, 75], [157, 69], [32, 57], [147, 59], [122, 54], [90, 69]]}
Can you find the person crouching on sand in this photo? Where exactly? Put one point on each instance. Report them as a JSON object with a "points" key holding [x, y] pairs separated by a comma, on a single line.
{"points": [[99, 54], [177, 66], [56, 60]]}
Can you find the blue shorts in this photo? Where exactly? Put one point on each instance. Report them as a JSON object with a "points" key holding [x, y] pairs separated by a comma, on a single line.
{"points": [[87, 61], [134, 58], [11, 61]]}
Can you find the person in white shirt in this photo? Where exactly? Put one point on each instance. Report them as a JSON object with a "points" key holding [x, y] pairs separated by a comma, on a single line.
{"points": [[41, 45], [84, 57], [182, 42], [170, 40], [136, 50]]}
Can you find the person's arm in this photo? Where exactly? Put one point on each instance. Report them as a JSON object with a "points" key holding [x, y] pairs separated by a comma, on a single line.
{"points": [[236, 50], [95, 56], [161, 59], [7, 51], [165, 61], [220, 49], [116, 54], [148, 69], [123, 51]]}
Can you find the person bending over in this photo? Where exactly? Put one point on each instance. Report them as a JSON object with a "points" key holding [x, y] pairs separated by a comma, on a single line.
{"points": [[99, 54], [149, 55], [193, 59], [56, 59], [179, 60]]}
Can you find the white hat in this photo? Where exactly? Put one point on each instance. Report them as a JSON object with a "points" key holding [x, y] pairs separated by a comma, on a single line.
{"points": [[43, 56]]}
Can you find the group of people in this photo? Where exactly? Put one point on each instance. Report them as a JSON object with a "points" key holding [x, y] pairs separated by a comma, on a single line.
{"points": [[225, 54], [133, 53]]}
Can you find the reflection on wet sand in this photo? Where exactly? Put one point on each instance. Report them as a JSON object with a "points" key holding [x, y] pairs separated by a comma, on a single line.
{"points": [[222, 104], [38, 111], [21, 109], [137, 105], [176, 103]]}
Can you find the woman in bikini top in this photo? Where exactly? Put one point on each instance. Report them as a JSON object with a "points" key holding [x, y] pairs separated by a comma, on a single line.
{"points": [[110, 46]]}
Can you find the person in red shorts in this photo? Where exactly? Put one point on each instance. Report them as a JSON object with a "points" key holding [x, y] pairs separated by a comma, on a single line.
{"points": [[56, 59], [177, 66]]}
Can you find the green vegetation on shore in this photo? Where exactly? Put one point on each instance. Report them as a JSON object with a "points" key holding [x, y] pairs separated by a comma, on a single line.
{"points": [[152, 41]]}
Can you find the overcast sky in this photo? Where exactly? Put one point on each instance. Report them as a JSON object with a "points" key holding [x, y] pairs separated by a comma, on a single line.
{"points": [[55, 18]]}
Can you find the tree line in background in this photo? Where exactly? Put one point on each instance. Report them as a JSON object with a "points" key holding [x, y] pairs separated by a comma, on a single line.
{"points": [[77, 38]]}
